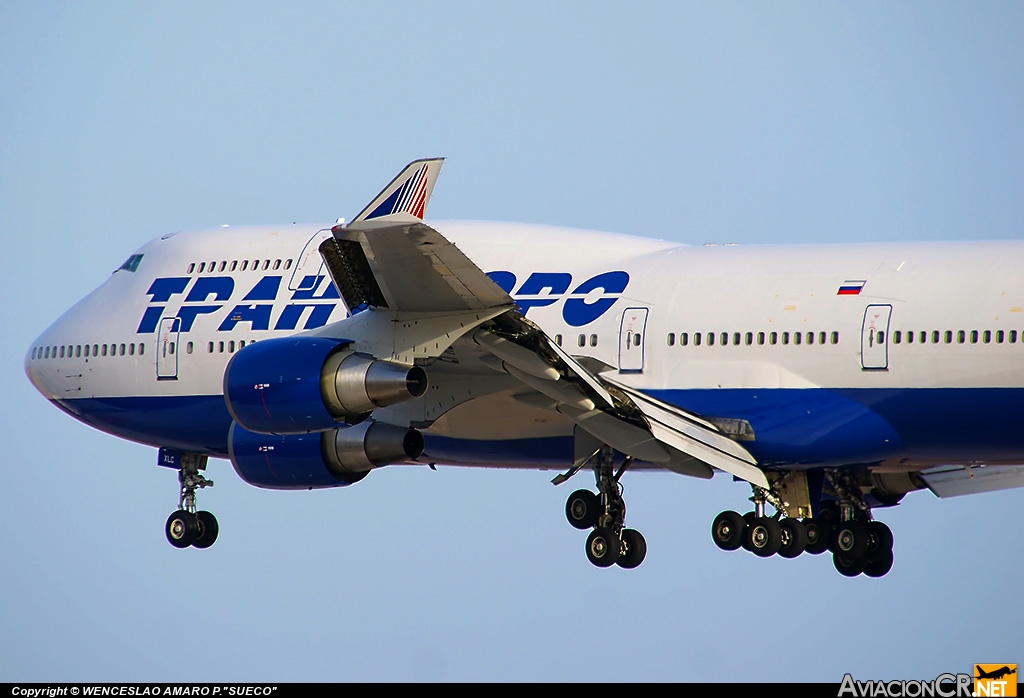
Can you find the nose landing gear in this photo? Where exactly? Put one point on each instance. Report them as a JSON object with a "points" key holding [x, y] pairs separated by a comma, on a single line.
{"points": [[186, 526]]}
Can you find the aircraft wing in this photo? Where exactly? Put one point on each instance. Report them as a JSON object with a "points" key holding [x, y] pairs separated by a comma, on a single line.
{"points": [[388, 259]]}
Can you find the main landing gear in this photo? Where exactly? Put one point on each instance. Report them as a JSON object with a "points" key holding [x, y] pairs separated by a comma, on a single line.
{"points": [[859, 545], [186, 526], [609, 543]]}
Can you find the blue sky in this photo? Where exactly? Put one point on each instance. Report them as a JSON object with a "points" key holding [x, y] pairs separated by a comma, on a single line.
{"points": [[739, 122]]}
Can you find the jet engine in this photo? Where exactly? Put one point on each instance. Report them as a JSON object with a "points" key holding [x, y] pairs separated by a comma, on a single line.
{"points": [[331, 458], [299, 385]]}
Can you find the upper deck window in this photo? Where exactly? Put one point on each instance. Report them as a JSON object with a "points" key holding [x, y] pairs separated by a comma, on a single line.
{"points": [[130, 264]]}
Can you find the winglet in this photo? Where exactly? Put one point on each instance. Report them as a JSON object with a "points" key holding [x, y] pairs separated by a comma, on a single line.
{"points": [[406, 197]]}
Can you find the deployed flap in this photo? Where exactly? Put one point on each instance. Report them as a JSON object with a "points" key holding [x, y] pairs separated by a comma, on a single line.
{"points": [[956, 480], [696, 437], [388, 258]]}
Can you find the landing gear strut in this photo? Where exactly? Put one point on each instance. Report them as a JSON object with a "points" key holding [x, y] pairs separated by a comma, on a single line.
{"points": [[609, 543], [186, 526]]}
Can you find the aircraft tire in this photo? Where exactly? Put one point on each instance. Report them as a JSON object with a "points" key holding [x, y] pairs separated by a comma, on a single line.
{"points": [[181, 528], [208, 530], [633, 551], [582, 509], [603, 547], [848, 567], [794, 538], [819, 531], [727, 530], [880, 537], [879, 564], [764, 537], [748, 519], [850, 539]]}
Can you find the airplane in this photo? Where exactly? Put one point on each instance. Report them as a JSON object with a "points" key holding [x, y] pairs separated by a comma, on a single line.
{"points": [[995, 673], [832, 379]]}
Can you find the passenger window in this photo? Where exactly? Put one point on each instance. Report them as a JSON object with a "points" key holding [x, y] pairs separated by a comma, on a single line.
{"points": [[220, 347], [835, 338], [209, 347], [960, 336], [974, 336], [142, 348], [935, 336], [725, 339], [711, 339], [999, 336], [231, 347], [78, 351], [46, 353], [736, 338], [255, 265], [33, 353], [287, 264], [683, 339], [896, 337], [948, 336], [558, 341], [213, 267], [191, 267], [234, 264], [245, 264], [582, 340], [671, 339], [104, 349], [1013, 337], [131, 349], [910, 337], [223, 265], [760, 337], [796, 337], [188, 348], [821, 338], [277, 264], [266, 264], [880, 339], [810, 338], [636, 340], [62, 351], [696, 338]]}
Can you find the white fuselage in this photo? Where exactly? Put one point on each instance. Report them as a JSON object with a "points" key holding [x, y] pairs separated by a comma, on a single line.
{"points": [[918, 360]]}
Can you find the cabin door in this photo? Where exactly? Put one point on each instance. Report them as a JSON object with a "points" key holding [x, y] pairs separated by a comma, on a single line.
{"points": [[874, 338], [632, 340], [167, 349]]}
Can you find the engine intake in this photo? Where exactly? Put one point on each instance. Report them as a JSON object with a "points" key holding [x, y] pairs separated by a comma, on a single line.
{"points": [[299, 385]]}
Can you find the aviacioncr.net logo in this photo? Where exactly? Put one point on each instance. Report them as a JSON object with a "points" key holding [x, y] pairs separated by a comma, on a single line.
{"points": [[943, 686]]}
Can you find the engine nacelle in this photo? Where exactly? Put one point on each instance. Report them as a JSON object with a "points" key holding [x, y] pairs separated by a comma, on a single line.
{"points": [[332, 458], [299, 385]]}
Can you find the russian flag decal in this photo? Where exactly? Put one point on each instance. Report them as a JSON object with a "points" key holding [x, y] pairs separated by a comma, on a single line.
{"points": [[851, 288]]}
